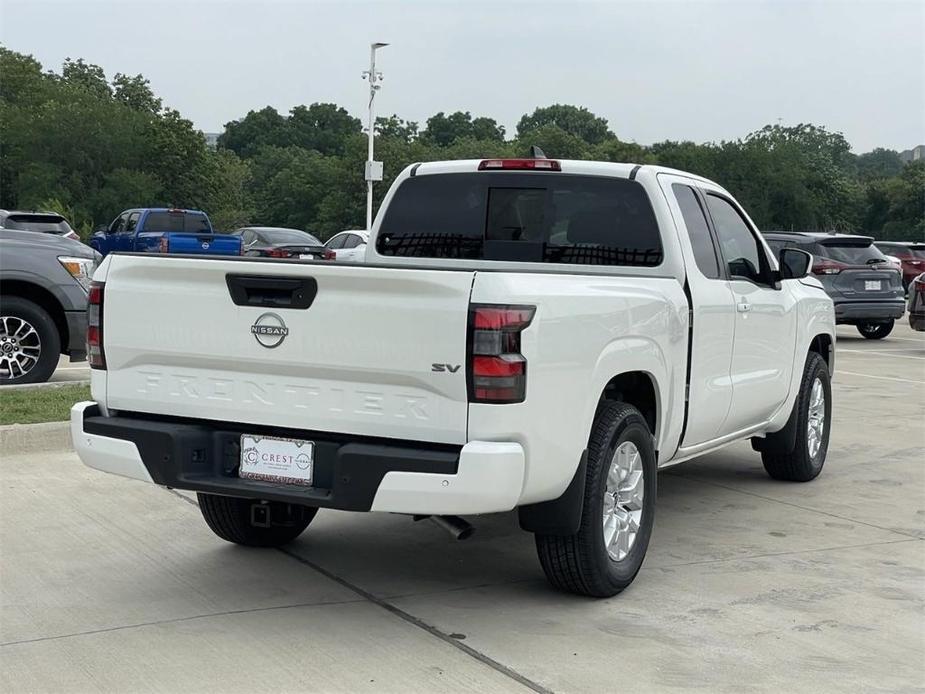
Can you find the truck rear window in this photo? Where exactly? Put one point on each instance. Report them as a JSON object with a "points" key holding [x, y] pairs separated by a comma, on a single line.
{"points": [[189, 222], [522, 216]]}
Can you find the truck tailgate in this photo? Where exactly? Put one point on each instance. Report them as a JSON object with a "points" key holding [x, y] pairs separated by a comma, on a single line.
{"points": [[358, 360], [207, 244]]}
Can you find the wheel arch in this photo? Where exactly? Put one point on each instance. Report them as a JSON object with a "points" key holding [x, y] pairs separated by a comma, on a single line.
{"points": [[43, 298], [636, 388], [823, 345]]}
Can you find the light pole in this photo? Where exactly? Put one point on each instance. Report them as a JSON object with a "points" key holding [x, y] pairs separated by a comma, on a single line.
{"points": [[373, 168]]}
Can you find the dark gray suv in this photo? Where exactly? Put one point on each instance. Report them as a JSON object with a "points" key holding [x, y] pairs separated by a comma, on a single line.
{"points": [[43, 303], [866, 289]]}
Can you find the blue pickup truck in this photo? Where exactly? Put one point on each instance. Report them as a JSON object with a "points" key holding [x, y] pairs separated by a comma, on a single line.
{"points": [[162, 230]]}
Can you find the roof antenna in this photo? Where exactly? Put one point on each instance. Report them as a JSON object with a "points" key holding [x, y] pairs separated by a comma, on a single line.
{"points": [[536, 152]]}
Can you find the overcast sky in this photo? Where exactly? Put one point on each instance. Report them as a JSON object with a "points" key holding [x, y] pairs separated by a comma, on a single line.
{"points": [[656, 70]]}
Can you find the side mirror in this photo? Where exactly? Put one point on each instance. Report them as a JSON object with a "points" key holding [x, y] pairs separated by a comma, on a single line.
{"points": [[794, 263]]}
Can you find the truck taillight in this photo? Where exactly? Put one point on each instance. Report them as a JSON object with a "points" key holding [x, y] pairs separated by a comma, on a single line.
{"points": [[95, 354], [163, 246], [497, 371]]}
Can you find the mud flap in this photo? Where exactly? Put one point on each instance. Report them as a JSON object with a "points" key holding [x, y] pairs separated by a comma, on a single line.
{"points": [[560, 516]]}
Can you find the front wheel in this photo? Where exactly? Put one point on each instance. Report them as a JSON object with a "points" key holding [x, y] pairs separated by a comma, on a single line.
{"points": [[875, 331], [253, 522], [812, 418], [618, 512], [29, 342]]}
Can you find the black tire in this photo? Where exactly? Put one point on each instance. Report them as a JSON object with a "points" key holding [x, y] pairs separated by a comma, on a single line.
{"points": [[797, 464], [14, 312], [875, 331], [253, 522], [580, 563]]}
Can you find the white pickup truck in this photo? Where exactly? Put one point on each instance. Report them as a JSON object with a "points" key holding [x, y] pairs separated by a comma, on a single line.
{"points": [[525, 333]]}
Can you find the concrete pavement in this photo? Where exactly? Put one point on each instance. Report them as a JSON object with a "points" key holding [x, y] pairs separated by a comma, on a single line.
{"points": [[749, 585]]}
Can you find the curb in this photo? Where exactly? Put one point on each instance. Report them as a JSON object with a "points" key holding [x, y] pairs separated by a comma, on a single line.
{"points": [[55, 384], [17, 439]]}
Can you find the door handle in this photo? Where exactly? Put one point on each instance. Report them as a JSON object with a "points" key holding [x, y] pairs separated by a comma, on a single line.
{"points": [[743, 307], [272, 292]]}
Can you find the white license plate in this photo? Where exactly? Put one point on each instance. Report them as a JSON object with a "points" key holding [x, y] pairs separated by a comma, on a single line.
{"points": [[273, 459], [306, 256], [872, 285]]}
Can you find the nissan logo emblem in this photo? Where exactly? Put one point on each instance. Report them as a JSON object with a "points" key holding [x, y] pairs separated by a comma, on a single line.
{"points": [[269, 330]]}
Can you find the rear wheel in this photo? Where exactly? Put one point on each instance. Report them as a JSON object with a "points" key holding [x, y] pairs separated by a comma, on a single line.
{"points": [[29, 342], [253, 522], [812, 421], [605, 555], [875, 331]]}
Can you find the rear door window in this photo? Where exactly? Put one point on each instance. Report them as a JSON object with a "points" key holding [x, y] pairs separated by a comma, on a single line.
{"points": [[697, 230], [539, 217], [337, 242]]}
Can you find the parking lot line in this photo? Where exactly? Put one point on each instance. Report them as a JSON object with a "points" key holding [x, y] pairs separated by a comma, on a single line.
{"points": [[874, 351], [882, 378]]}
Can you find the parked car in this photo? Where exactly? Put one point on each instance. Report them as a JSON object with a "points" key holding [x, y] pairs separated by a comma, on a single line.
{"points": [[917, 303], [161, 230], [911, 255], [347, 246], [44, 222], [526, 333], [278, 242], [865, 286], [44, 280]]}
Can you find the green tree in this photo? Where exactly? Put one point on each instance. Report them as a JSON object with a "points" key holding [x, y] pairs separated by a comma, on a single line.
{"points": [[87, 76], [322, 127], [879, 163], [443, 130], [135, 92], [395, 127], [574, 120], [257, 129]]}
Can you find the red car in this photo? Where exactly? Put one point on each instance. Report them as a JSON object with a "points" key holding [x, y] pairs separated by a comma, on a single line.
{"points": [[917, 303], [911, 254]]}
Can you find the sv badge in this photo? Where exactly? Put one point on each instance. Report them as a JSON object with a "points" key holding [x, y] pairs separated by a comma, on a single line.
{"points": [[443, 368]]}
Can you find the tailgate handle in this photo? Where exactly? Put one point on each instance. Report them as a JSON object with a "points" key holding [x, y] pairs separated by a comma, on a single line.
{"points": [[272, 292]]}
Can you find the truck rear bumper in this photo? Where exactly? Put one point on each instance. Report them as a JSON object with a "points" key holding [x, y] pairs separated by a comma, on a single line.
{"points": [[350, 474]]}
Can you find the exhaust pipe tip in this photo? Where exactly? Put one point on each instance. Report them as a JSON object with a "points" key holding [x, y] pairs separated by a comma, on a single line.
{"points": [[458, 528]]}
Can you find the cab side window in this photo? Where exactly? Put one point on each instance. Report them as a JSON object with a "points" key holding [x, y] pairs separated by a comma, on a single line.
{"points": [[744, 256], [119, 224], [697, 230], [132, 222]]}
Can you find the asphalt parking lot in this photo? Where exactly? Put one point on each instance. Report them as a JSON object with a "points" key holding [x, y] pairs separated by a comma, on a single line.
{"points": [[749, 585]]}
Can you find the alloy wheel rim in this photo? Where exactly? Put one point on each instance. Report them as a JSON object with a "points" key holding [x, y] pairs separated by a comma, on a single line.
{"points": [[623, 500], [20, 347], [815, 422]]}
